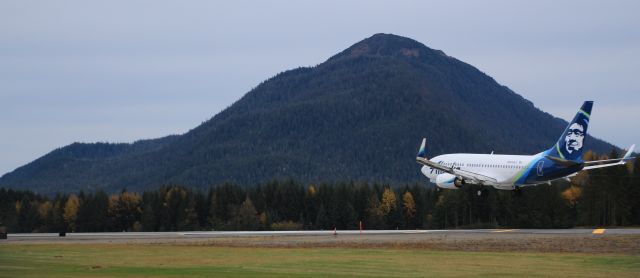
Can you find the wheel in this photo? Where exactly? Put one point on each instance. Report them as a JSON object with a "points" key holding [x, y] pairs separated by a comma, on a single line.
{"points": [[517, 192]]}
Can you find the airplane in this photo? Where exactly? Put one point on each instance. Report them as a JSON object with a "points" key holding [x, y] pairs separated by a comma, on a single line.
{"points": [[512, 172]]}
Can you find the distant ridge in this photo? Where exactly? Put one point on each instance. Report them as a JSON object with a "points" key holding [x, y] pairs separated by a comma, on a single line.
{"points": [[358, 116]]}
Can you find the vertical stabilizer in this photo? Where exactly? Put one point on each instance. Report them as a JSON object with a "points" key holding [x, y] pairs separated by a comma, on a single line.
{"points": [[571, 144]]}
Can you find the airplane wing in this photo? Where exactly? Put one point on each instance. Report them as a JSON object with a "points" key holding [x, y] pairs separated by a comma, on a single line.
{"points": [[468, 176], [588, 165]]}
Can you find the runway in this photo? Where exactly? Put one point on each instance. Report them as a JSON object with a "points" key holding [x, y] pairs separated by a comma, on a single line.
{"points": [[597, 241], [472, 233]]}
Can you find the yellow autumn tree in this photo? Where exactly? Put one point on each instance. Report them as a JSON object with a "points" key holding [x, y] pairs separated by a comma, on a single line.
{"points": [[572, 195], [44, 209], [409, 205], [311, 190], [589, 156], [388, 201], [71, 211], [18, 206], [124, 210]]}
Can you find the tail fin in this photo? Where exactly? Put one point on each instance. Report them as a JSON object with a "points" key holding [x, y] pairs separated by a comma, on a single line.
{"points": [[570, 146], [422, 152]]}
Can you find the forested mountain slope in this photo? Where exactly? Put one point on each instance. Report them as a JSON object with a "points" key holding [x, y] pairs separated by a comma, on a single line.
{"points": [[360, 115]]}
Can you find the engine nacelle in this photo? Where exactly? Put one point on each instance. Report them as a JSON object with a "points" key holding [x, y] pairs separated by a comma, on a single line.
{"points": [[448, 181]]}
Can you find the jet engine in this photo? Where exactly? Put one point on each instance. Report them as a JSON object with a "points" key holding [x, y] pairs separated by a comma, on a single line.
{"points": [[449, 181]]}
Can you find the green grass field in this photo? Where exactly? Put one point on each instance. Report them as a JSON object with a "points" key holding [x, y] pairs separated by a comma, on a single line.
{"points": [[114, 260]]}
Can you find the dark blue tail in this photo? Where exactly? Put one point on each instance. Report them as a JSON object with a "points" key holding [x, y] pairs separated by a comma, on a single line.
{"points": [[571, 144]]}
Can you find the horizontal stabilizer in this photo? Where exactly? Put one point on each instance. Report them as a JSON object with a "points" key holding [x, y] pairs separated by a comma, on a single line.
{"points": [[562, 162], [588, 165]]}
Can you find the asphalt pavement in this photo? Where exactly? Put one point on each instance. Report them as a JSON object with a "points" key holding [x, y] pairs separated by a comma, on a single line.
{"points": [[471, 233]]}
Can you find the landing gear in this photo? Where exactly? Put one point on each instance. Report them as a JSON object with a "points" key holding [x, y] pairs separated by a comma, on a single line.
{"points": [[483, 192], [517, 192]]}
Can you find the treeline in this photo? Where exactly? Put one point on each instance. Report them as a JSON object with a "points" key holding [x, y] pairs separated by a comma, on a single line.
{"points": [[602, 197]]}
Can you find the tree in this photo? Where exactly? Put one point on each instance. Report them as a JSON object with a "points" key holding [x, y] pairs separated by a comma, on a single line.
{"points": [[572, 195], [390, 210], [311, 205], [57, 214], [246, 218], [124, 210], [214, 220], [71, 211], [375, 217], [409, 208], [323, 219], [388, 201], [188, 219], [202, 205], [342, 211], [28, 216], [93, 213], [224, 199], [100, 217], [151, 210], [45, 210], [635, 193]]}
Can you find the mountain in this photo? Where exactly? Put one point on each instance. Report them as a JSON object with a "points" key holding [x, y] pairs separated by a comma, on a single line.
{"points": [[360, 115]]}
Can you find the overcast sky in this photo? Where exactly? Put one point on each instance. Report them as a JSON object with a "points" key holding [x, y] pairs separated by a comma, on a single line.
{"points": [[119, 71]]}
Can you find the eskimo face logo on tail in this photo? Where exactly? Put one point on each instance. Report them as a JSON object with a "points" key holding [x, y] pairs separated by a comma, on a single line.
{"points": [[574, 138]]}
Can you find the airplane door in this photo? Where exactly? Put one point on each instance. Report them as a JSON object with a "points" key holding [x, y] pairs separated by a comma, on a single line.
{"points": [[540, 167]]}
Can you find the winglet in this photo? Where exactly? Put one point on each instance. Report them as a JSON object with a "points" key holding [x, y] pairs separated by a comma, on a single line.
{"points": [[423, 149], [627, 156]]}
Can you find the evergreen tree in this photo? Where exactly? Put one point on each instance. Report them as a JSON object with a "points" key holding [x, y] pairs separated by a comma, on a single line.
{"points": [[311, 206], [152, 209], [323, 220], [375, 216], [28, 216], [246, 218]]}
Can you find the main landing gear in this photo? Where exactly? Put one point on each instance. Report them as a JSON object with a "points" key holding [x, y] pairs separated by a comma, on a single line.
{"points": [[517, 191]]}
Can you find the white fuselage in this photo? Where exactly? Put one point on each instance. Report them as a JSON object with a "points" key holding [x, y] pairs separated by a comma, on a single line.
{"points": [[504, 168]]}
